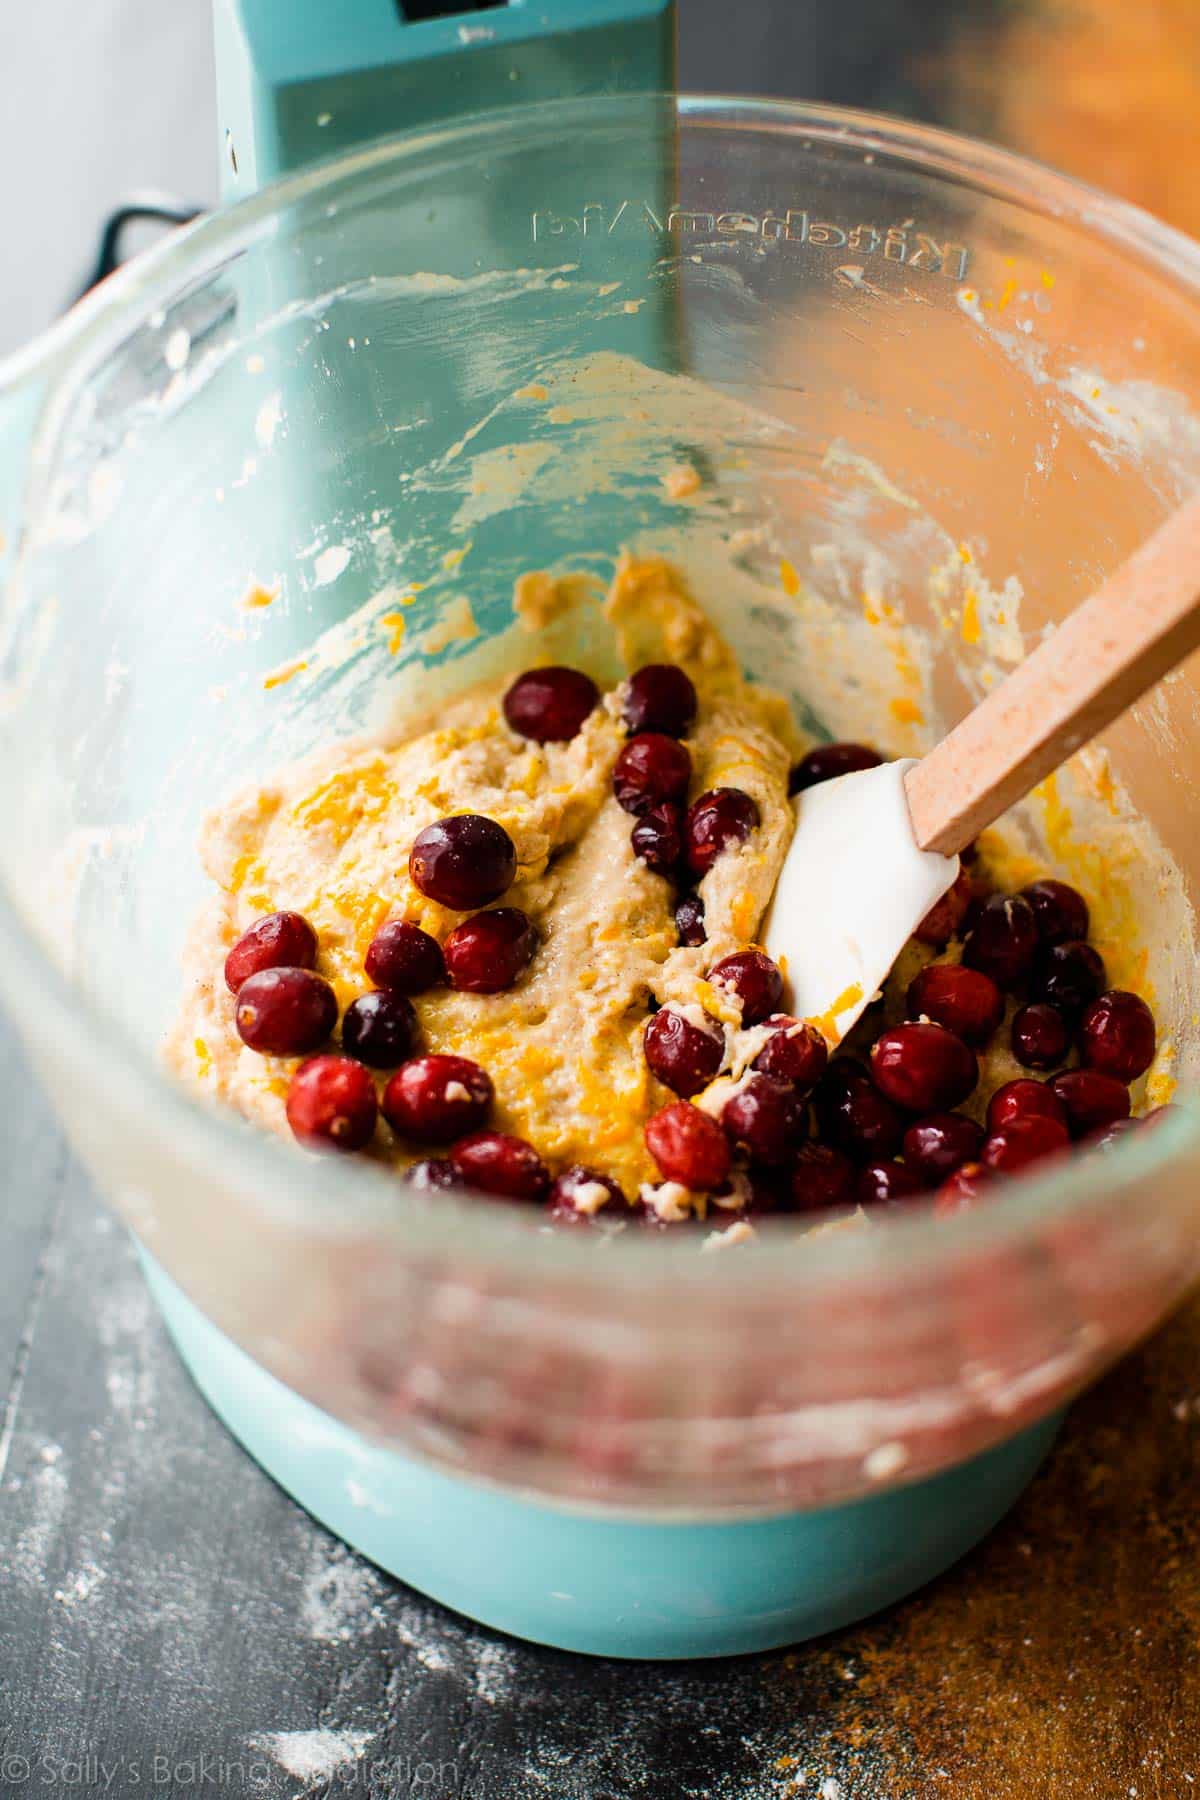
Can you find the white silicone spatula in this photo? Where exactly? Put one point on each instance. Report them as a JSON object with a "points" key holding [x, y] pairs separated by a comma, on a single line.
{"points": [[873, 851]]}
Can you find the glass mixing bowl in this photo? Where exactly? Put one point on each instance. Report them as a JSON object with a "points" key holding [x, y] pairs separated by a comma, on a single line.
{"points": [[913, 374]]}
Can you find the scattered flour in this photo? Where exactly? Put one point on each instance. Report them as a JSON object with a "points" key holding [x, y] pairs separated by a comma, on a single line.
{"points": [[340, 1595], [313, 1756]]}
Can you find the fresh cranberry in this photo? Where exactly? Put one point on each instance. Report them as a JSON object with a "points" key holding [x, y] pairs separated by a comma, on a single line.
{"points": [[853, 1115], [1022, 1099], [946, 915], [827, 761], [923, 1068], [280, 940], [580, 1193], [1068, 976], [285, 1012], [1117, 1036], [1061, 911], [1092, 1099], [756, 981], [883, 1183], [379, 1029], [404, 958], [488, 951], [498, 1164], [1021, 1142], [650, 769], [1003, 939], [767, 1118], [657, 838], [794, 1052], [689, 921], [435, 1174], [1040, 1036], [821, 1177], [963, 1190], [1112, 1134], [748, 1195], [463, 861], [683, 1056], [965, 1001], [660, 697], [719, 818], [935, 1146], [688, 1146], [437, 1098], [550, 705], [331, 1103]]}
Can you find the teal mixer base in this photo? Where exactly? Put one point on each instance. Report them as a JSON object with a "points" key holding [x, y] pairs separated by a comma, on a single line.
{"points": [[578, 1581]]}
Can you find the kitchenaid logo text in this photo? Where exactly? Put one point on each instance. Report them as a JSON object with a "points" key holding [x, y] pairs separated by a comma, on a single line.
{"points": [[904, 243]]}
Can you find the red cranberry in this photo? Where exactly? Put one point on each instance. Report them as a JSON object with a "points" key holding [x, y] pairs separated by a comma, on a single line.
{"points": [[827, 761], [754, 979], [688, 1146], [463, 861], [550, 705], [660, 697], [1003, 939], [794, 1052], [437, 1098], [683, 1056], [285, 1012], [750, 1193], [923, 1068], [488, 951], [946, 915], [1040, 1037], [719, 818], [935, 1146], [379, 1029], [1112, 1134], [280, 940], [854, 1116], [404, 958], [331, 1103], [1092, 1099], [1022, 1099], [884, 1183], [650, 769], [580, 1193], [1021, 1142], [821, 1177], [689, 921], [963, 1190], [965, 1001], [1117, 1036], [767, 1118], [1061, 912], [657, 839], [434, 1175], [1068, 976], [498, 1164]]}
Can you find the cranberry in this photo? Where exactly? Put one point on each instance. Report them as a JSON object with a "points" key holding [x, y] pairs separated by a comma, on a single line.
{"points": [[437, 1098], [580, 1193], [498, 1164], [1112, 1134], [463, 861], [550, 705], [683, 1056], [688, 1146], [279, 940], [1092, 1099], [766, 1118], [1021, 1142], [1002, 939], [1117, 1036], [488, 951], [883, 1183], [719, 818], [660, 697], [923, 1068], [404, 958], [821, 1177], [827, 761], [689, 920], [285, 1012], [937, 1145], [379, 1029], [965, 1001], [331, 1103], [435, 1174], [853, 1114], [650, 769], [754, 979], [945, 916], [794, 1052], [657, 839], [1069, 976], [965, 1187], [1022, 1099], [1040, 1036], [1061, 912], [748, 1194]]}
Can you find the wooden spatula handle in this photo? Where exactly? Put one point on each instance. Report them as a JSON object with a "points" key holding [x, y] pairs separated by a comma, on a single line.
{"points": [[1144, 620]]}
